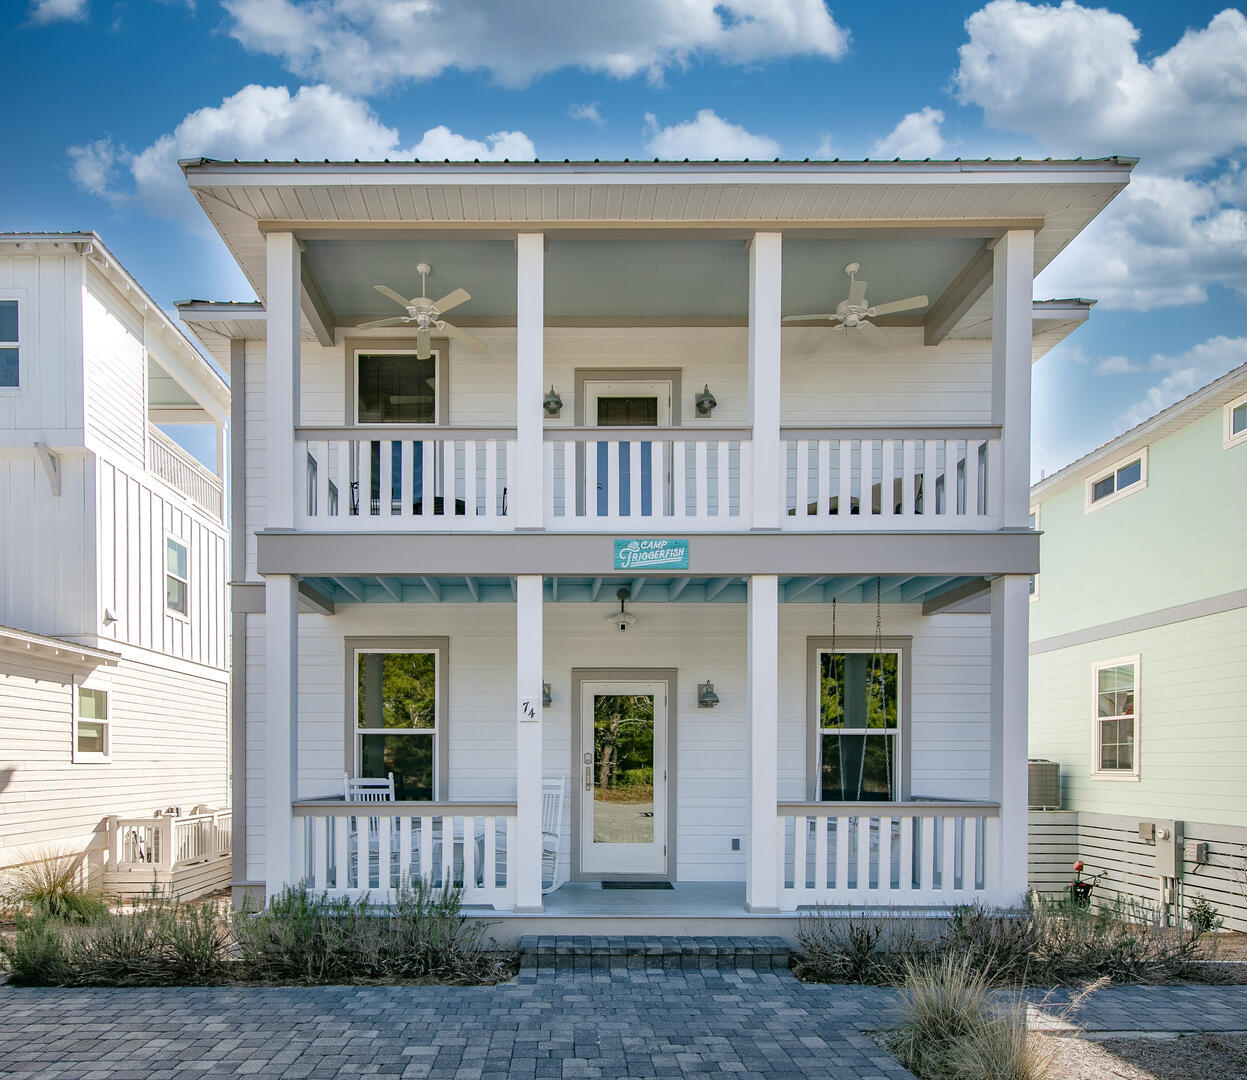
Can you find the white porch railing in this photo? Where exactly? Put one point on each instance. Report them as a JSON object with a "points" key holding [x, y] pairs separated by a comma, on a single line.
{"points": [[170, 463], [877, 854], [606, 479], [881, 478], [352, 849], [364, 480], [166, 843]]}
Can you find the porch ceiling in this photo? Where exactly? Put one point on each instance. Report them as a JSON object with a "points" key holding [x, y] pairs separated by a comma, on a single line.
{"points": [[800, 589]]}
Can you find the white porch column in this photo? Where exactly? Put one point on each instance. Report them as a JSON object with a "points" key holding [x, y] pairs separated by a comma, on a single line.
{"points": [[1013, 273], [526, 485], [528, 661], [282, 378], [281, 730], [762, 692], [1010, 604], [765, 278]]}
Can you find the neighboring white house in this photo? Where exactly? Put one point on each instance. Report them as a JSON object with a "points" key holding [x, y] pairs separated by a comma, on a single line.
{"points": [[113, 562], [813, 689], [1139, 657]]}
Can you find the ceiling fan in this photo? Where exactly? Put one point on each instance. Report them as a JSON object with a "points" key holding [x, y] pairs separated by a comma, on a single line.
{"points": [[856, 311], [427, 315]]}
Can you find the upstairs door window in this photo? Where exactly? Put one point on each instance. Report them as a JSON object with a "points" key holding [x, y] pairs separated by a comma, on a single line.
{"points": [[626, 404]]}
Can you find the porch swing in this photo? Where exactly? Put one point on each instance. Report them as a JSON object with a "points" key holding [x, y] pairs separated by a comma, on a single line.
{"points": [[875, 677]]}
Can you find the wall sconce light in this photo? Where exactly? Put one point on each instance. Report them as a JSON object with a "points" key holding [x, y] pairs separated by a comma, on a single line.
{"points": [[552, 403], [706, 697], [546, 699], [705, 401]]}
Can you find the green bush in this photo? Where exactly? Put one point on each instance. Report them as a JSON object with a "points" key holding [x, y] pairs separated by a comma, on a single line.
{"points": [[856, 950], [55, 886]]}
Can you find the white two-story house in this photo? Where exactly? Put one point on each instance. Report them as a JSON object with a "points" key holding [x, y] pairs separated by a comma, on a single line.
{"points": [[687, 544], [114, 673]]}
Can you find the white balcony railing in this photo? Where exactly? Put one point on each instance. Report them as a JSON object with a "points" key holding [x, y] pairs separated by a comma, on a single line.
{"points": [[890, 478], [352, 849], [404, 479], [164, 844], [170, 463], [652, 478], [877, 854]]}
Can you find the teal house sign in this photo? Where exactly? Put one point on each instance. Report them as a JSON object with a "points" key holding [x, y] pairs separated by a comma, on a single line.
{"points": [[651, 554]]}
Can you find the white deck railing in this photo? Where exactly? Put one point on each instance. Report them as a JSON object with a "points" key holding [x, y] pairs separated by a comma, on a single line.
{"points": [[880, 478], [167, 843], [167, 461], [406, 478], [910, 854], [353, 849], [647, 477]]}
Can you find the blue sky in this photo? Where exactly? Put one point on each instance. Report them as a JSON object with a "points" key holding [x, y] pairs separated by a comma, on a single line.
{"points": [[119, 89]]}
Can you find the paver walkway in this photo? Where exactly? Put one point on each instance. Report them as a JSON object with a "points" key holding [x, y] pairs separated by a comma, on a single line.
{"points": [[646, 1024]]}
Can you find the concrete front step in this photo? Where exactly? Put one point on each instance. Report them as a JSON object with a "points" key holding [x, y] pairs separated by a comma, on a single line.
{"points": [[585, 953]]}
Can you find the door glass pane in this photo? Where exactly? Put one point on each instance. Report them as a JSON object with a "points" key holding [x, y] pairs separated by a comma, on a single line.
{"points": [[623, 769], [397, 389], [627, 412]]}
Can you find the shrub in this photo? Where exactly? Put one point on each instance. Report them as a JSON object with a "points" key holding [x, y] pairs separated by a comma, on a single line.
{"points": [[951, 1028], [857, 949], [307, 938], [1202, 917], [56, 886]]}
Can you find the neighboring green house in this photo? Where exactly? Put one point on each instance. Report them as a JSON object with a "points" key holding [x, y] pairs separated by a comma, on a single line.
{"points": [[1138, 668]]}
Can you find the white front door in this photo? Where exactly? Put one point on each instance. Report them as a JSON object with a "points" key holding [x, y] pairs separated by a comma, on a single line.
{"points": [[623, 778]]}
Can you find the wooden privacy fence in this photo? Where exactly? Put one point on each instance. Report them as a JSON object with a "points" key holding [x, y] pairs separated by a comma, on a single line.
{"points": [[373, 849], [877, 854]]}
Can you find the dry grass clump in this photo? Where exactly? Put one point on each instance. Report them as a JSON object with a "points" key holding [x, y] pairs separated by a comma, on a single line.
{"points": [[55, 885]]}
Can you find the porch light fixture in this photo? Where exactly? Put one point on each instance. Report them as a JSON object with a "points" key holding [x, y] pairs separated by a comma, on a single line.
{"points": [[552, 403], [622, 619], [705, 402], [706, 697], [546, 699]]}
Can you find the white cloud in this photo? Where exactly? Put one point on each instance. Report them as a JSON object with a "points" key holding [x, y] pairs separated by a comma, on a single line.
{"points": [[367, 45], [43, 12], [916, 136], [268, 122], [1185, 373], [586, 112], [706, 138], [1072, 76]]}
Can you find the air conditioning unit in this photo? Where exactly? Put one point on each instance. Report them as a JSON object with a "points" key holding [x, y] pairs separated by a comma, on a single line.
{"points": [[1045, 784]]}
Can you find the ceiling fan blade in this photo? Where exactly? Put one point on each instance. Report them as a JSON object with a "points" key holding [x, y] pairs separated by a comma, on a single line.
{"points": [[907, 304], [463, 337], [872, 335], [392, 295], [452, 299], [422, 345], [398, 320], [857, 293], [809, 318]]}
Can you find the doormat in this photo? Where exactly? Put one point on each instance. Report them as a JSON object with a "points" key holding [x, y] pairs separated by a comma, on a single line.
{"points": [[636, 885]]}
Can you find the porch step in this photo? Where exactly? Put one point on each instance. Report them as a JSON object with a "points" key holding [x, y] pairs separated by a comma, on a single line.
{"points": [[548, 954]]}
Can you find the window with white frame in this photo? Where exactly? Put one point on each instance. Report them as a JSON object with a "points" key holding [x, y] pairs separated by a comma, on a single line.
{"points": [[396, 387], [1116, 750], [177, 580], [1034, 524], [91, 727], [396, 720], [1236, 422], [10, 346], [1124, 478], [859, 725]]}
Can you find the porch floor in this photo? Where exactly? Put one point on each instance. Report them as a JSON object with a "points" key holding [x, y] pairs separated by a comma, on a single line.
{"points": [[685, 899]]}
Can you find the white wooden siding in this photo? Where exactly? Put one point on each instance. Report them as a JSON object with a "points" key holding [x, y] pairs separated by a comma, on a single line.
{"points": [[47, 561], [115, 369], [168, 748], [950, 694], [135, 516]]}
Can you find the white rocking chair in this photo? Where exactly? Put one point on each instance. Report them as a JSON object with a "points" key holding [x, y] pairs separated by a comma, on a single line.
{"points": [[368, 788], [552, 789]]}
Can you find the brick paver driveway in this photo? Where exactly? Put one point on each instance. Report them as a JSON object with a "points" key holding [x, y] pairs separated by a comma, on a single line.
{"points": [[661, 1024]]}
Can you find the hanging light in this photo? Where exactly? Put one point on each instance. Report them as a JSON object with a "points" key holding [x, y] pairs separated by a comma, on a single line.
{"points": [[546, 699], [621, 618], [706, 697]]}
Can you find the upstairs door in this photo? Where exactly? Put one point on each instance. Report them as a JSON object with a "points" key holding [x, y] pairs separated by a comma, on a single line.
{"points": [[626, 403], [623, 778]]}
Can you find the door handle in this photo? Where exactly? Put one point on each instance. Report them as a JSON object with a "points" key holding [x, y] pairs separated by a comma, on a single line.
{"points": [[588, 778]]}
